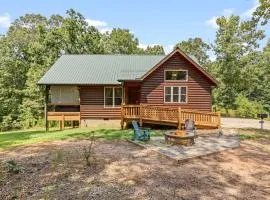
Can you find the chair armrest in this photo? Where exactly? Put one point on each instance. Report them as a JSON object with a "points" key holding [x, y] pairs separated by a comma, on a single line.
{"points": [[146, 130]]}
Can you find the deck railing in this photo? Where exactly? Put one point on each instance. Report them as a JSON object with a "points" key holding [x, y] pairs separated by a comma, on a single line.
{"points": [[159, 113], [169, 115], [201, 118], [63, 116]]}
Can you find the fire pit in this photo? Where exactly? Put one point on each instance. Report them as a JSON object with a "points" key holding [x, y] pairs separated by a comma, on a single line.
{"points": [[179, 137]]}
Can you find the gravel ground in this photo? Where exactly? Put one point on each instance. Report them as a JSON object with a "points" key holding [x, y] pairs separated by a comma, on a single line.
{"points": [[121, 170], [243, 123]]}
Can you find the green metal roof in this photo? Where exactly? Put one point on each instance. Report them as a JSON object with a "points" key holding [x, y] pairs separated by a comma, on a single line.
{"points": [[98, 69]]}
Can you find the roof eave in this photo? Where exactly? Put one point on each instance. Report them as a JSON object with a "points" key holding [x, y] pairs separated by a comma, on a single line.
{"points": [[129, 80], [79, 84]]}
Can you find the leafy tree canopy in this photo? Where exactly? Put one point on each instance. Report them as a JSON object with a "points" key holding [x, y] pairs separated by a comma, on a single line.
{"points": [[195, 47]]}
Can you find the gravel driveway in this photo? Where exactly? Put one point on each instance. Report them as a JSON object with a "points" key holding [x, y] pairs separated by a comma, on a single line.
{"points": [[243, 123]]}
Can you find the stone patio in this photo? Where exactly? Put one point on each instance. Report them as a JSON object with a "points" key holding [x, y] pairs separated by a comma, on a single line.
{"points": [[204, 145]]}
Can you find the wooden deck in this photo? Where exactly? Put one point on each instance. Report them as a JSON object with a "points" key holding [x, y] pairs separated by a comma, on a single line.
{"points": [[171, 116]]}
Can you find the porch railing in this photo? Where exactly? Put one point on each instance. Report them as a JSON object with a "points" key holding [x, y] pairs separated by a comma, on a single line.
{"points": [[63, 116], [130, 111]]}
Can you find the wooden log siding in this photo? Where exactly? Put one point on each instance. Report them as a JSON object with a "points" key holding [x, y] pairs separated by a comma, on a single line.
{"points": [[92, 104], [198, 91]]}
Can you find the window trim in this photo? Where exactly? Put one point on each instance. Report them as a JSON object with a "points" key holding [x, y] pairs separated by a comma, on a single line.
{"points": [[177, 70], [179, 94], [113, 105]]}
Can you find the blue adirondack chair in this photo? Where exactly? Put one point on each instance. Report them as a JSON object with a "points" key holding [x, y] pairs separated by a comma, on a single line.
{"points": [[140, 133]]}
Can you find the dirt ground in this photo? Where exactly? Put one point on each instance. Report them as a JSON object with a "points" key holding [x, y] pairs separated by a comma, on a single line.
{"points": [[121, 170]]}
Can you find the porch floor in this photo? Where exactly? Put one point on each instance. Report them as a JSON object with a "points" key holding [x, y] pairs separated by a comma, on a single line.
{"points": [[204, 145]]}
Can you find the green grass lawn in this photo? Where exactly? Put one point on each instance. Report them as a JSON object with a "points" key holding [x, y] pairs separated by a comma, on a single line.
{"points": [[254, 134], [24, 137]]}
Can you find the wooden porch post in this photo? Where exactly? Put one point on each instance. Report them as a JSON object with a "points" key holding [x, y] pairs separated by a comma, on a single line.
{"points": [[46, 107], [122, 104], [179, 118], [122, 116], [80, 121]]}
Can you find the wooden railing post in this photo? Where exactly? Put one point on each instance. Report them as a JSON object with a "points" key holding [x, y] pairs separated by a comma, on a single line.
{"points": [[219, 120], [179, 118], [141, 114], [63, 122], [80, 121], [122, 116], [59, 124]]}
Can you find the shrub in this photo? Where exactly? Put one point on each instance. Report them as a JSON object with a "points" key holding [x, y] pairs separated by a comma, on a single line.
{"points": [[88, 150], [57, 158], [243, 108], [6, 123], [246, 108], [13, 166]]}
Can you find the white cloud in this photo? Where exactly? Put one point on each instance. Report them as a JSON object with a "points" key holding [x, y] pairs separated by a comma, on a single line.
{"points": [[104, 30], [96, 23], [102, 26], [229, 11], [248, 13], [212, 21], [168, 48], [5, 20], [144, 46]]}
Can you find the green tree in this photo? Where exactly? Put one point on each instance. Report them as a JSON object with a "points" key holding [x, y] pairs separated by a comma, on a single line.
{"points": [[234, 39], [195, 47], [14, 66], [262, 13], [79, 37], [154, 50], [120, 41], [42, 57]]}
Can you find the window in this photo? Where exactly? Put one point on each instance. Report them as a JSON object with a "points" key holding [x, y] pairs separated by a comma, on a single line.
{"points": [[177, 75], [175, 94], [112, 96]]}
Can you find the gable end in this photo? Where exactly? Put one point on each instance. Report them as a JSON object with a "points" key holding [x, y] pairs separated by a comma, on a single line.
{"points": [[195, 64]]}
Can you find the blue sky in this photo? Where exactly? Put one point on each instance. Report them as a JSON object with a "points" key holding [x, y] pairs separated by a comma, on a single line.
{"points": [[152, 21]]}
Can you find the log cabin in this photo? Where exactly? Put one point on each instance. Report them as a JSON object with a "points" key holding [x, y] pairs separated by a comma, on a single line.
{"points": [[156, 89]]}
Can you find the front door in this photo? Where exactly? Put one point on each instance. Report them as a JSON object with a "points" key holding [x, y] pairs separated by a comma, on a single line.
{"points": [[133, 95]]}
